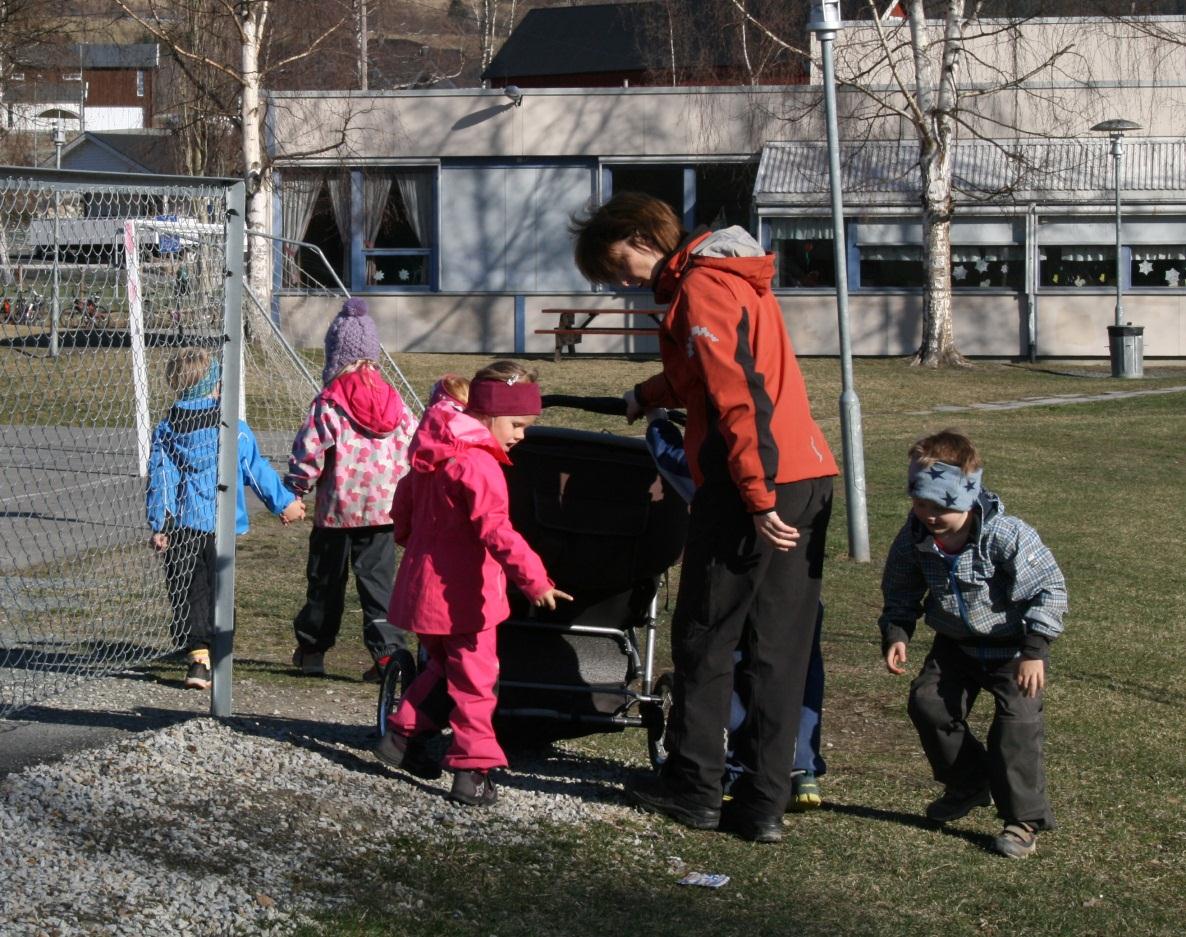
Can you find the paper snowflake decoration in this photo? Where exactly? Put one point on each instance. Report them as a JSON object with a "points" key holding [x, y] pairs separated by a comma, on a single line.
{"points": [[1004, 269], [959, 272], [982, 266], [1172, 277], [378, 277], [404, 275], [1146, 267]]}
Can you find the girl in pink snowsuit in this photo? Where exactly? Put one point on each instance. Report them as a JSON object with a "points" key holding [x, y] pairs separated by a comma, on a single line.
{"points": [[451, 517]]}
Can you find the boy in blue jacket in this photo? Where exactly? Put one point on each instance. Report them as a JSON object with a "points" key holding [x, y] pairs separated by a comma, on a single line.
{"points": [[181, 500], [995, 598]]}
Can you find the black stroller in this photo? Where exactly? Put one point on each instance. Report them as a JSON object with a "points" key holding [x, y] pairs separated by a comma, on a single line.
{"points": [[608, 527]]}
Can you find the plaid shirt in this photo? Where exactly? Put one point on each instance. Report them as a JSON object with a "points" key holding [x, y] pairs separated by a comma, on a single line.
{"points": [[1003, 585]]}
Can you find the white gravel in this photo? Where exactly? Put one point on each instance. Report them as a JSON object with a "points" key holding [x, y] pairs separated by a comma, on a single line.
{"points": [[241, 827]]}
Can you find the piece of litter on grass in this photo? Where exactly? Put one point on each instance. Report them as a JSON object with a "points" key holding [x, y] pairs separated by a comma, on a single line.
{"points": [[705, 879]]}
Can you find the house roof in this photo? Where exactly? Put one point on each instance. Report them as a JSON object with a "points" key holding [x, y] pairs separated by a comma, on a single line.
{"points": [[150, 151], [89, 55], [611, 37], [887, 172]]}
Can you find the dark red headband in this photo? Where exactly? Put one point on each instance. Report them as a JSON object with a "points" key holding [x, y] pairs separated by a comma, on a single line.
{"points": [[502, 398]]}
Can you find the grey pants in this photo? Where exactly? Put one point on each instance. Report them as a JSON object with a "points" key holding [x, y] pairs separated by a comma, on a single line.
{"points": [[941, 697]]}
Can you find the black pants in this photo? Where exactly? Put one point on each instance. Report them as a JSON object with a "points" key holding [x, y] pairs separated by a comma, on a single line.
{"points": [[189, 576], [738, 592], [370, 551], [941, 697]]}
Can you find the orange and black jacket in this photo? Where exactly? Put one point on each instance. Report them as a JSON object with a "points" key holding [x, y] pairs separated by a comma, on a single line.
{"points": [[728, 360]]}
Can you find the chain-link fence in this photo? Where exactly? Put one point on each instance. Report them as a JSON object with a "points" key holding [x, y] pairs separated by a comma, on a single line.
{"points": [[111, 316]]}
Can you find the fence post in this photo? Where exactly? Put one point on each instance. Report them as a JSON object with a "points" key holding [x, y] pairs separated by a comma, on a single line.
{"points": [[222, 646], [140, 388]]}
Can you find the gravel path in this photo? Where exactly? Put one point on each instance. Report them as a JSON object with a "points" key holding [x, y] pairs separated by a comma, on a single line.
{"points": [[240, 827]]}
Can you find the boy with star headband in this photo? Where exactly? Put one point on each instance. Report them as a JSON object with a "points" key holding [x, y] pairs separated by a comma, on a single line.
{"points": [[995, 597]]}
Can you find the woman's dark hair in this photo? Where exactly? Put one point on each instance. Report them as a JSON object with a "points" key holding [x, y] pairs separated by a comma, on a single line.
{"points": [[626, 216]]}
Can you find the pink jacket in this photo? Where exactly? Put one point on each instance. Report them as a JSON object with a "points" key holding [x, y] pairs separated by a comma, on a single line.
{"points": [[354, 449], [451, 516]]}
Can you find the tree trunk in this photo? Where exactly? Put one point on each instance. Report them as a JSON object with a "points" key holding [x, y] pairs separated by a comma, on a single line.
{"points": [[252, 16], [937, 349]]}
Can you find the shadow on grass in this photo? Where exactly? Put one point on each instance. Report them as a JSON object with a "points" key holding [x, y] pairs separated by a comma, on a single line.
{"points": [[917, 821]]}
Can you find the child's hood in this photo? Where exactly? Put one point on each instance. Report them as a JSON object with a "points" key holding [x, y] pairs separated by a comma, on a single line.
{"points": [[373, 404], [732, 250], [445, 433]]}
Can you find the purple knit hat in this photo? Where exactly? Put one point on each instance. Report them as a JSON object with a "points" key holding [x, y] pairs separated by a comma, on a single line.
{"points": [[351, 337]]}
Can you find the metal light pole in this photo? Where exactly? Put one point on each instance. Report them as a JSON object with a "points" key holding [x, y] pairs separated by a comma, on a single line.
{"points": [[1122, 337], [55, 305], [825, 23]]}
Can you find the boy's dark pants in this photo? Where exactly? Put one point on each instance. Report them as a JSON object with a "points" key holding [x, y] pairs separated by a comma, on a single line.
{"points": [[941, 697], [189, 576], [370, 551], [736, 590]]}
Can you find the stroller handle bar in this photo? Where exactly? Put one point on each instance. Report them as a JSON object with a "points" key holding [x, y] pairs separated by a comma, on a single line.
{"points": [[611, 406]]}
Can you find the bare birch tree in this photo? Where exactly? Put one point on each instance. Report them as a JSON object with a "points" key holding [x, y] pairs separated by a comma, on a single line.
{"points": [[239, 65]]}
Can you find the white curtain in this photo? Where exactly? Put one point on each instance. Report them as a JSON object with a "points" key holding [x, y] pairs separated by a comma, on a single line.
{"points": [[415, 188], [298, 199], [1158, 253], [339, 196], [800, 229]]}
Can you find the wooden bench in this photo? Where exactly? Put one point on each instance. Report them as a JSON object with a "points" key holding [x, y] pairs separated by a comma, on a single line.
{"points": [[569, 331]]}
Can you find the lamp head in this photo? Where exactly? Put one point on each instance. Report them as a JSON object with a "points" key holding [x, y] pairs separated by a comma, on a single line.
{"points": [[825, 18], [514, 93], [1117, 126]]}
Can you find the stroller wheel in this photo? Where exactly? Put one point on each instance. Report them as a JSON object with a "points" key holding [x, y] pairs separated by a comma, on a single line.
{"points": [[655, 717], [397, 675]]}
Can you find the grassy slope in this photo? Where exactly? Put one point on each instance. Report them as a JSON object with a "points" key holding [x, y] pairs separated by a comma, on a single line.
{"points": [[1102, 483]]}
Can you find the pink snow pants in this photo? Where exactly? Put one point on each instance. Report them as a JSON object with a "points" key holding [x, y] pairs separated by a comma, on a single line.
{"points": [[468, 663]]}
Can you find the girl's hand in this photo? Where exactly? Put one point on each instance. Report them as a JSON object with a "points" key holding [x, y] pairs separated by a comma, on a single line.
{"points": [[1031, 677], [548, 599], [633, 410], [294, 512], [895, 658], [160, 542]]}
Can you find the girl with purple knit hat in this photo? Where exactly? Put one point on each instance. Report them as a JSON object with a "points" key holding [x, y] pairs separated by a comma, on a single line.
{"points": [[353, 450]]}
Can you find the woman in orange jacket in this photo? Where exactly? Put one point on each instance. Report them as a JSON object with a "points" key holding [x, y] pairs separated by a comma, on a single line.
{"points": [[754, 558]]}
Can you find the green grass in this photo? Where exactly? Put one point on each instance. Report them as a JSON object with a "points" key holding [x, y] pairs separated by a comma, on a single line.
{"points": [[1102, 483]]}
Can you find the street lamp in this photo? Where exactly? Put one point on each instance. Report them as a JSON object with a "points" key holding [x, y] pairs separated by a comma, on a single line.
{"points": [[825, 23], [1122, 337], [55, 303]]}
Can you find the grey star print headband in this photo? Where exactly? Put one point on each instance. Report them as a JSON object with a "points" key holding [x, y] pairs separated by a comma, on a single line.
{"points": [[945, 485]]}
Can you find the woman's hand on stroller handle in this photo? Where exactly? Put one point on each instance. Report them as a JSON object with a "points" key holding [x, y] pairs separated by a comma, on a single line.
{"points": [[548, 599]]}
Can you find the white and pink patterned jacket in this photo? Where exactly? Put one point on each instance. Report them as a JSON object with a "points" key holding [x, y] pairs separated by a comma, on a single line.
{"points": [[354, 449]]}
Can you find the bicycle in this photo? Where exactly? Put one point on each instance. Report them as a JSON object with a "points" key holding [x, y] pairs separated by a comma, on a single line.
{"points": [[90, 312]]}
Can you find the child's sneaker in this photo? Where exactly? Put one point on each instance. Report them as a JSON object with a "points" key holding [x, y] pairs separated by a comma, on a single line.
{"points": [[312, 663], [473, 788], [197, 677], [1016, 841], [805, 793], [956, 803]]}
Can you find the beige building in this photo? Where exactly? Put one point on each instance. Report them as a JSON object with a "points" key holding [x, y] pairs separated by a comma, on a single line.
{"points": [[448, 209]]}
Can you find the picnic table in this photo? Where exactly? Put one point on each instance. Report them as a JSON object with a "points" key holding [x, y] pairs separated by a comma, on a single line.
{"points": [[573, 324]]}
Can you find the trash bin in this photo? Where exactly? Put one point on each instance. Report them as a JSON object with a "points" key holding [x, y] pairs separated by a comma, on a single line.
{"points": [[1126, 347]]}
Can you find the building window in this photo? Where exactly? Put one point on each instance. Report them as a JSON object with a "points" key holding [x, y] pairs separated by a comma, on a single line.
{"points": [[986, 253], [139, 82], [1158, 267], [804, 252], [399, 220], [1077, 267], [714, 195]]}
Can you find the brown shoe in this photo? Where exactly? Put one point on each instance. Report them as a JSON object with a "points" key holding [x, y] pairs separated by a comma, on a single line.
{"points": [[473, 788]]}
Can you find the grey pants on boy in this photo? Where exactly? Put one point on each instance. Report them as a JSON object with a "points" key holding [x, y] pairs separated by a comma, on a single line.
{"points": [[941, 697]]}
